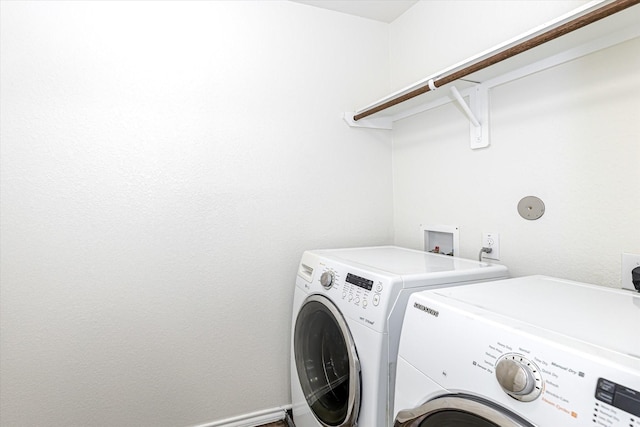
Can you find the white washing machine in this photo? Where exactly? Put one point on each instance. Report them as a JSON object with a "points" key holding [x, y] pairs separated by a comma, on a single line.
{"points": [[531, 351], [347, 314]]}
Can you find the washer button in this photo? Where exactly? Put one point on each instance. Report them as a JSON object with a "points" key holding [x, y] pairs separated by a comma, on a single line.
{"points": [[379, 287], [364, 303], [376, 299]]}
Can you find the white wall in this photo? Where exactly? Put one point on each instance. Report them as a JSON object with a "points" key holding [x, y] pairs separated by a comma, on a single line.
{"points": [[436, 34], [568, 135], [164, 164]]}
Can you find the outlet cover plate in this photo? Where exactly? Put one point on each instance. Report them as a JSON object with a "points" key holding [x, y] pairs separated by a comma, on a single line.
{"points": [[491, 240], [629, 262]]}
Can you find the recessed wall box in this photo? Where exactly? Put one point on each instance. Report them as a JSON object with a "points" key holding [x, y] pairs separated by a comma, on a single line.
{"points": [[441, 239]]}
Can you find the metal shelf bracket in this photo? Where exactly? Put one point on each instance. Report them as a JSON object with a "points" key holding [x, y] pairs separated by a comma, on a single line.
{"points": [[477, 111]]}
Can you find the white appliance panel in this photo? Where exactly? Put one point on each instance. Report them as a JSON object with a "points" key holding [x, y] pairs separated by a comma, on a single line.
{"points": [[370, 288], [559, 306], [417, 268], [454, 337]]}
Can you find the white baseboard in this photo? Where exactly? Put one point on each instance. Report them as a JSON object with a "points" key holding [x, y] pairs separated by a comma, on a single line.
{"points": [[251, 420]]}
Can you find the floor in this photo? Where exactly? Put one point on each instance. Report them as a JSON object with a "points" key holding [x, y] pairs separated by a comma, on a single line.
{"points": [[287, 422]]}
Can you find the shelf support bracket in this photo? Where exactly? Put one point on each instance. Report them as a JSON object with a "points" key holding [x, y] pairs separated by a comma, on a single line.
{"points": [[477, 111]]}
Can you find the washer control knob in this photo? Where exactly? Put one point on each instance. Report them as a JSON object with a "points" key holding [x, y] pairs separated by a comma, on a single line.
{"points": [[519, 377], [326, 279]]}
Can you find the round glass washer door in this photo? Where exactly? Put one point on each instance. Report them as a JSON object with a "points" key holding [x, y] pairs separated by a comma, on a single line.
{"points": [[327, 363], [459, 411]]}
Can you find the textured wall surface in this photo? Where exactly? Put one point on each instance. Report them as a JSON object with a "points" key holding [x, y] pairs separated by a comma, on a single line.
{"points": [[164, 165], [568, 135], [460, 29]]}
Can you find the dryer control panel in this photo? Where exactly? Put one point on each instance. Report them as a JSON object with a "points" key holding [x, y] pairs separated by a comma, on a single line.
{"points": [[540, 376], [617, 396]]}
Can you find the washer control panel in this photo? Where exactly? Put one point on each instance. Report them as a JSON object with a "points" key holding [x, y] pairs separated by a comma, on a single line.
{"points": [[360, 291], [326, 279], [360, 295], [355, 289]]}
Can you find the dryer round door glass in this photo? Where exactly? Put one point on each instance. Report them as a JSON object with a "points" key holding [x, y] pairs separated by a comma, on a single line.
{"points": [[327, 363], [455, 419], [458, 410]]}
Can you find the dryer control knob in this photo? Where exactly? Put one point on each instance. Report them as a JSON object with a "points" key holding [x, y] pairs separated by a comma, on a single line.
{"points": [[326, 279], [519, 377]]}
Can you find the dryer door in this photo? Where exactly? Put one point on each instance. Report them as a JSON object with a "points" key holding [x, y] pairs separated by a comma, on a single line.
{"points": [[327, 362], [459, 411]]}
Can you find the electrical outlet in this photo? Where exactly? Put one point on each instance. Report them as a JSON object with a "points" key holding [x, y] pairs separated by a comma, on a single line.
{"points": [[629, 262], [491, 240]]}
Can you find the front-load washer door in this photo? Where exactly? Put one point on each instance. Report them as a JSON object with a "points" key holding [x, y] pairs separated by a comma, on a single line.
{"points": [[327, 363], [459, 411]]}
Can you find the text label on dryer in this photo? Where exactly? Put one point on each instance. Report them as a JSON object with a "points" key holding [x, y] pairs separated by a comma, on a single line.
{"points": [[431, 311]]}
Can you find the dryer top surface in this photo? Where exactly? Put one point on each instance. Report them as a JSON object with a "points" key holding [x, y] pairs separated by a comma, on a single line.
{"points": [[595, 315]]}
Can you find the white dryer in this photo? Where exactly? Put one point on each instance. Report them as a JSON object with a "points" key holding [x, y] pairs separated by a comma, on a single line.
{"points": [[347, 314], [531, 351]]}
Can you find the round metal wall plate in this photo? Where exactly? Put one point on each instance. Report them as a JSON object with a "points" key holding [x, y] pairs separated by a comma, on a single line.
{"points": [[531, 208]]}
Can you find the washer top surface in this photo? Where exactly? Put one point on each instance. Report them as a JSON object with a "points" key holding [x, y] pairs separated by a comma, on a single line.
{"points": [[559, 306], [394, 260], [367, 283]]}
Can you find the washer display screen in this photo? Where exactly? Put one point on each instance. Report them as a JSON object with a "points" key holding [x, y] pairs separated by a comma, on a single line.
{"points": [[359, 281]]}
